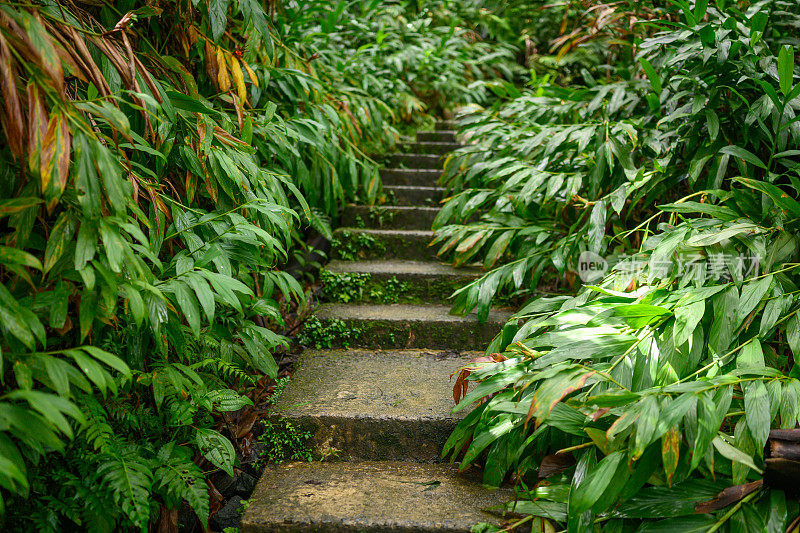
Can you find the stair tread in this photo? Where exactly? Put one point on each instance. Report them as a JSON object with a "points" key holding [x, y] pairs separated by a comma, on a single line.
{"points": [[389, 216], [425, 171], [373, 231], [402, 268], [375, 404], [415, 188], [372, 496], [400, 208], [404, 313], [373, 384]]}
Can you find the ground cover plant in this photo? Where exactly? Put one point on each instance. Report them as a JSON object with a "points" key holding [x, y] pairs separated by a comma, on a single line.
{"points": [[646, 397], [160, 163]]}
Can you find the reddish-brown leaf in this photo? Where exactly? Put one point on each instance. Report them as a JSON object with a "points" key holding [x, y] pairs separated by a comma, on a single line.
{"points": [[727, 497], [461, 385], [12, 119], [553, 464], [670, 452], [54, 159]]}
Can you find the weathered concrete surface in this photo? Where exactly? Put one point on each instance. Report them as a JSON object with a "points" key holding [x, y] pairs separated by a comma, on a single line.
{"points": [[426, 279], [390, 217], [415, 161], [415, 326], [382, 497], [440, 148], [411, 195], [374, 405], [446, 136], [410, 176], [397, 243]]}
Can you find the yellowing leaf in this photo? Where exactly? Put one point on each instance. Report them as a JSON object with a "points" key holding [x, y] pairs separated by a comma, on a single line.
{"points": [[250, 73], [238, 78], [223, 80]]}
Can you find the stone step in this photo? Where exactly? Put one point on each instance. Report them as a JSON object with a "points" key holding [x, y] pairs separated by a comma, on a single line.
{"points": [[448, 136], [389, 216], [381, 497], [410, 176], [414, 326], [446, 125], [440, 148], [383, 243], [429, 161], [424, 280], [374, 405], [413, 195]]}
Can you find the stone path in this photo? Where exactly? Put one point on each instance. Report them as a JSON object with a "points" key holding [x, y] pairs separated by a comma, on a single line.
{"points": [[381, 412]]}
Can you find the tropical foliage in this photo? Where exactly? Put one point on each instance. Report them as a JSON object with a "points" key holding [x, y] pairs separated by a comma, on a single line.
{"points": [[631, 401], [160, 162]]}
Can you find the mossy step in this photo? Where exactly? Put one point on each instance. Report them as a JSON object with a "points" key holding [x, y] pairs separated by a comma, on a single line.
{"points": [[446, 125], [447, 136], [424, 280], [413, 326], [374, 405], [409, 176], [440, 148], [378, 497], [361, 243], [389, 217], [413, 195], [429, 161]]}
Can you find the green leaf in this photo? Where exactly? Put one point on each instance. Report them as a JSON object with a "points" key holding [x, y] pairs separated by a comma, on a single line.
{"points": [[187, 306], [741, 153], [700, 8], [757, 412], [216, 448], [712, 121], [786, 68], [596, 482], [726, 308], [686, 319], [9, 256], [734, 454], [652, 75], [597, 226], [229, 400], [135, 304], [60, 238], [752, 293], [751, 355], [781, 199]]}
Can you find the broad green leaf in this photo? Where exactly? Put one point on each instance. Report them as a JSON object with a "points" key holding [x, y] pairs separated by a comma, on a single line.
{"points": [[596, 482], [741, 153], [786, 68], [216, 448], [652, 75], [757, 411], [734, 454]]}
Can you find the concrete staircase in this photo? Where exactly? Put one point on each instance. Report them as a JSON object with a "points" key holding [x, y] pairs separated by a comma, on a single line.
{"points": [[380, 413]]}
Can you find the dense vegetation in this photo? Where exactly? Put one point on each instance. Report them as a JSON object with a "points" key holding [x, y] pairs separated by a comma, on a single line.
{"points": [[663, 137], [160, 165]]}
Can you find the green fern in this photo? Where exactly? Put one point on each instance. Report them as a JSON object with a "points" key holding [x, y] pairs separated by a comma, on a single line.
{"points": [[129, 477], [178, 478]]}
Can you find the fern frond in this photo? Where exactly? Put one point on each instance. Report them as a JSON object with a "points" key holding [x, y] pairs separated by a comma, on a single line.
{"points": [[178, 479], [129, 476]]}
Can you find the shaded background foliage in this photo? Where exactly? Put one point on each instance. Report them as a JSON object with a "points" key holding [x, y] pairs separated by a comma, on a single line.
{"points": [[161, 162]]}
